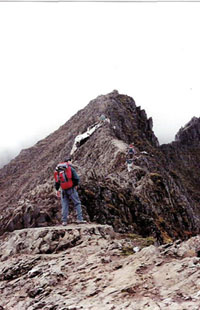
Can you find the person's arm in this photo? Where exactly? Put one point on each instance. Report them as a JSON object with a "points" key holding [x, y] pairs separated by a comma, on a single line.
{"points": [[57, 185], [75, 177]]}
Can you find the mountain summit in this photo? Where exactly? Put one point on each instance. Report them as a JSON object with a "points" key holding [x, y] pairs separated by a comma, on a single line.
{"points": [[157, 197]]}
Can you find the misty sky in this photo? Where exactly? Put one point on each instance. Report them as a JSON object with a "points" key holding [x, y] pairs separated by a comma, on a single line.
{"points": [[56, 57]]}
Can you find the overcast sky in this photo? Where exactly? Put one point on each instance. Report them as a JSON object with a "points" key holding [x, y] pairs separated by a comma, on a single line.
{"points": [[56, 57]]}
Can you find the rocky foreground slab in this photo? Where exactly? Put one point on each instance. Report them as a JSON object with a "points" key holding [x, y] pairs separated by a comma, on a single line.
{"points": [[85, 267]]}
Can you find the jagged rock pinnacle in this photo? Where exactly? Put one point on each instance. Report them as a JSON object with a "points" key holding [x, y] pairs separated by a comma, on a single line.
{"points": [[190, 133]]}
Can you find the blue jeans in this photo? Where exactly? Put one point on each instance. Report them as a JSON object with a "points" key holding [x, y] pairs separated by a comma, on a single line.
{"points": [[65, 196]]}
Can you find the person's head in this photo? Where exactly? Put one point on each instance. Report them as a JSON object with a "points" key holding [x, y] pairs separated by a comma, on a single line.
{"points": [[131, 145], [68, 160]]}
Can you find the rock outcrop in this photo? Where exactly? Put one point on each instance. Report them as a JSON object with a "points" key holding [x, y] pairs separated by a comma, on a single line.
{"points": [[91, 267], [158, 198], [182, 159], [190, 133]]}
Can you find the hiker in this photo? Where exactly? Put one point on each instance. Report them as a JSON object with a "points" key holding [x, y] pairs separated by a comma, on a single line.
{"points": [[67, 178], [130, 157], [104, 119]]}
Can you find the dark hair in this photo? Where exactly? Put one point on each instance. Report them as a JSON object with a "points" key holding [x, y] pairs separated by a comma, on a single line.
{"points": [[68, 159]]}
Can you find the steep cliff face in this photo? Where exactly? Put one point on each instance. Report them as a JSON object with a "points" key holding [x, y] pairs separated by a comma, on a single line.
{"points": [[151, 199], [183, 158]]}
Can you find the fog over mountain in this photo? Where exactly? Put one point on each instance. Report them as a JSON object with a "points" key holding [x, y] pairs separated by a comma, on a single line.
{"points": [[64, 62]]}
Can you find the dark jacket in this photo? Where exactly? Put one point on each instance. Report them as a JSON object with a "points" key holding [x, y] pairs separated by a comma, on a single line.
{"points": [[75, 179]]}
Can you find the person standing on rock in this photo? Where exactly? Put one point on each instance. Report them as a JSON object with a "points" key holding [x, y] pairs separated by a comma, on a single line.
{"points": [[67, 178], [130, 157]]}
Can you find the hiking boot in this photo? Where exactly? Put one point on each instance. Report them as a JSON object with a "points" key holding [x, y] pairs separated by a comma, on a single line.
{"points": [[81, 222], [64, 223]]}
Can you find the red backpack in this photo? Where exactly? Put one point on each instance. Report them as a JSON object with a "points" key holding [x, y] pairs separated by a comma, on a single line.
{"points": [[63, 174]]}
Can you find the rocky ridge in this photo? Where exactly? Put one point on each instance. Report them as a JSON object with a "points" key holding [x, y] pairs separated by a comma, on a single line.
{"points": [[158, 198], [131, 254], [91, 267]]}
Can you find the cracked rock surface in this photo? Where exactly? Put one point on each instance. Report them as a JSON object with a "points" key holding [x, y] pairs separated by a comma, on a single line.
{"points": [[83, 267]]}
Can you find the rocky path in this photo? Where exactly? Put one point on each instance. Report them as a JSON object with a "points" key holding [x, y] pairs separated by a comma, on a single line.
{"points": [[83, 267]]}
